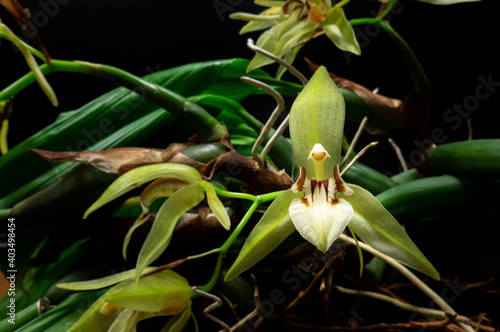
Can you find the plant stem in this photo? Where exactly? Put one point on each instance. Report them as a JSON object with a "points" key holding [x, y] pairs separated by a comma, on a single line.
{"points": [[410, 276], [420, 80], [257, 200], [200, 120]]}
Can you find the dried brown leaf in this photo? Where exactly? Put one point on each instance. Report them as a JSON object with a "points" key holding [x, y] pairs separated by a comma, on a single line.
{"points": [[109, 161]]}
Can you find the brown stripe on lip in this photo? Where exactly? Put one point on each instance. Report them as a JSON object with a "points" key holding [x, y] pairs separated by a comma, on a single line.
{"points": [[339, 183]]}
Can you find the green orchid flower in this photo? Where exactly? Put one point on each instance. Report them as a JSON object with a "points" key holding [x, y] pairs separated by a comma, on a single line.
{"points": [[320, 205], [288, 23], [185, 189], [126, 303]]}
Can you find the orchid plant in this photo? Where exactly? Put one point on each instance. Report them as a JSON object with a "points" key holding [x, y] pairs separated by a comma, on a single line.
{"points": [[305, 189]]}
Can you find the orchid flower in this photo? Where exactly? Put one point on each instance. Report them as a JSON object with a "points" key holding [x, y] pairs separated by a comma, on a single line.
{"points": [[127, 302], [320, 205], [291, 22], [185, 188]]}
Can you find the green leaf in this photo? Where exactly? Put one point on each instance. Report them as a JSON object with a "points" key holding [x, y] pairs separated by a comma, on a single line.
{"points": [[340, 31], [379, 229], [140, 175], [160, 235], [165, 291], [216, 205], [64, 315], [101, 282], [470, 158], [272, 229], [317, 116]]}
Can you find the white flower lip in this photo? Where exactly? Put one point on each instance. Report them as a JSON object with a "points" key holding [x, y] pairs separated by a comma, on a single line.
{"points": [[319, 216]]}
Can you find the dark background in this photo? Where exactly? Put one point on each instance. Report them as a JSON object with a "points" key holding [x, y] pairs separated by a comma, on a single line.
{"points": [[455, 44]]}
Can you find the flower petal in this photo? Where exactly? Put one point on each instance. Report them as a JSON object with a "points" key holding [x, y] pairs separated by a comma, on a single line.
{"points": [[340, 31], [272, 229], [216, 205], [379, 229], [137, 176], [170, 212], [318, 116], [318, 217]]}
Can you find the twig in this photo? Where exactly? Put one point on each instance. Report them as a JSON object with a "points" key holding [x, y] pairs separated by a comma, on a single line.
{"points": [[255, 311], [178, 262], [372, 144], [362, 126], [398, 154], [217, 303], [270, 122], [400, 304], [278, 60], [412, 277]]}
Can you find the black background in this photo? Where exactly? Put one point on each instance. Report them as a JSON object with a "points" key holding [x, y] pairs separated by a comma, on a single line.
{"points": [[455, 44]]}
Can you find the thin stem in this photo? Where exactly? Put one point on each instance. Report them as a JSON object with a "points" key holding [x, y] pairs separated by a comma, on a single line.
{"points": [[30, 60], [33, 50], [200, 120], [4, 147], [270, 122], [275, 137], [386, 11], [399, 304], [278, 60], [230, 194], [361, 127], [410, 276], [372, 144], [399, 154]]}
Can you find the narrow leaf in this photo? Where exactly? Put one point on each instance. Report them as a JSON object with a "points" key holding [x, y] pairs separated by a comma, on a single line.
{"points": [[170, 212], [272, 229], [379, 229]]}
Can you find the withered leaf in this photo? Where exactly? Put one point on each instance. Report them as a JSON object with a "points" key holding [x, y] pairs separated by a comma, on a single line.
{"points": [[109, 161]]}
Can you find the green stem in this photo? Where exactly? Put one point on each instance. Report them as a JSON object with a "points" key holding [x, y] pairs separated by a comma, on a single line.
{"points": [[419, 78], [33, 50], [257, 200], [195, 116], [387, 10]]}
